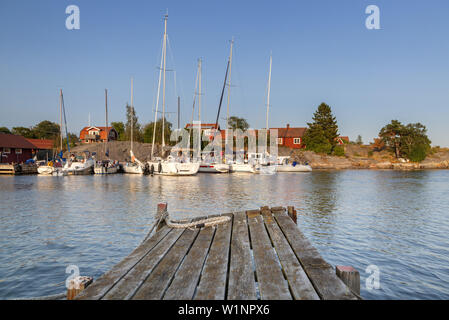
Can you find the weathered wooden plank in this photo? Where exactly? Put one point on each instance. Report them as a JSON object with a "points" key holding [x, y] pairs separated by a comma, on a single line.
{"points": [[272, 285], [186, 278], [241, 284], [212, 284], [300, 285], [320, 273], [130, 283], [155, 285], [103, 284]]}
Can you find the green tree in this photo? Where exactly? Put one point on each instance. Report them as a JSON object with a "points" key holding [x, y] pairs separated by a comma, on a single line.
{"points": [[4, 130], [46, 130], [148, 130], [414, 141], [132, 119], [73, 140], [409, 141], [120, 128], [238, 123], [315, 140], [322, 133], [391, 136], [359, 140], [23, 131]]}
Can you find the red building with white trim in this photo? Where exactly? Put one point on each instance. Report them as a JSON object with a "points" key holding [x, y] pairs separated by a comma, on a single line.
{"points": [[291, 137], [15, 149], [97, 134]]}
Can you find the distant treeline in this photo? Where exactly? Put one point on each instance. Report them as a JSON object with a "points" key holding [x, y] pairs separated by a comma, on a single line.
{"points": [[43, 130]]}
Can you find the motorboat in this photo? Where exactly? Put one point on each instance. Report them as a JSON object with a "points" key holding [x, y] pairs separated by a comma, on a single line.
{"points": [[79, 165], [285, 165], [106, 167]]}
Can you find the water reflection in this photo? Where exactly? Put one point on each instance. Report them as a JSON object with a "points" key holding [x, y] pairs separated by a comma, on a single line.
{"points": [[398, 221]]}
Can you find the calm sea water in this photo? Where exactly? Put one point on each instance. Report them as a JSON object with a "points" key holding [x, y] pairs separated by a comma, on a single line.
{"points": [[398, 221]]}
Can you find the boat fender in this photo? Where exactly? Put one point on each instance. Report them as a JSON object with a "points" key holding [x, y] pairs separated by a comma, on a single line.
{"points": [[294, 163], [152, 169]]}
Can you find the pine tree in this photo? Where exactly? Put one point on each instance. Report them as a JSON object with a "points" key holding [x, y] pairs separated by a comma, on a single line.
{"points": [[323, 131]]}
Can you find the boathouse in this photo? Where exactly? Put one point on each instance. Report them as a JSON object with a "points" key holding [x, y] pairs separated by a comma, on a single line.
{"points": [[15, 149], [93, 134]]}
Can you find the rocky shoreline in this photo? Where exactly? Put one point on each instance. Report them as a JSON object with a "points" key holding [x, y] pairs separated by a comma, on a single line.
{"points": [[349, 161]]}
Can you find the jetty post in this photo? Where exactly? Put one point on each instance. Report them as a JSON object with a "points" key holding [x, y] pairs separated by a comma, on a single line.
{"points": [[350, 276]]}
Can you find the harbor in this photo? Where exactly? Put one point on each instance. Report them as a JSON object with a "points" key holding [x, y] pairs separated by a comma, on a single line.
{"points": [[223, 160]]}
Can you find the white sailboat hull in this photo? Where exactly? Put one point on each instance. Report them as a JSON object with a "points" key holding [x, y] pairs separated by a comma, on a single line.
{"points": [[214, 168], [241, 167], [133, 169], [175, 168]]}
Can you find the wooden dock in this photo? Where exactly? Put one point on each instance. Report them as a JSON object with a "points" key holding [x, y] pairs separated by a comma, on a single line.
{"points": [[258, 254], [18, 169]]}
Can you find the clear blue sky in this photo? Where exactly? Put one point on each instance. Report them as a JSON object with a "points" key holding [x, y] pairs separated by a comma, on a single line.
{"points": [[321, 52]]}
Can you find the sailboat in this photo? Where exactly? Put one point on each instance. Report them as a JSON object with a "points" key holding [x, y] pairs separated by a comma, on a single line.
{"points": [[135, 166], [171, 166], [263, 163], [106, 166], [55, 167], [208, 163], [237, 165]]}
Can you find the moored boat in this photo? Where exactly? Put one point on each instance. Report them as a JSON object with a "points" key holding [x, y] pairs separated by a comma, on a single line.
{"points": [[285, 165], [79, 165]]}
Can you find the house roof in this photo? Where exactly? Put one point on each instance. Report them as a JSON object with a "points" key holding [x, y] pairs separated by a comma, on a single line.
{"points": [[290, 132], [42, 144], [103, 132], [203, 126], [13, 141]]}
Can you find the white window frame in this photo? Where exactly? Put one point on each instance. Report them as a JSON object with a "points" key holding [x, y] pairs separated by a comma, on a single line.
{"points": [[6, 150], [17, 151], [296, 139], [280, 140]]}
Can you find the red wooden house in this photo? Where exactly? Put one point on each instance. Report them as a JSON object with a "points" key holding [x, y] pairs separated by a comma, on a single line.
{"points": [[291, 137], [15, 149], [97, 134]]}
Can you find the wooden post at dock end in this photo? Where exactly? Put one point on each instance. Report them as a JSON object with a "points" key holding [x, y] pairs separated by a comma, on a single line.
{"points": [[350, 276], [292, 213], [77, 285], [161, 211]]}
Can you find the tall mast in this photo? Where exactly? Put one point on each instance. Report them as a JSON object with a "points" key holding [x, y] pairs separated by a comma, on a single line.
{"points": [[179, 110], [163, 88], [268, 95], [107, 132], [60, 116], [229, 82], [157, 100], [199, 108], [132, 113]]}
